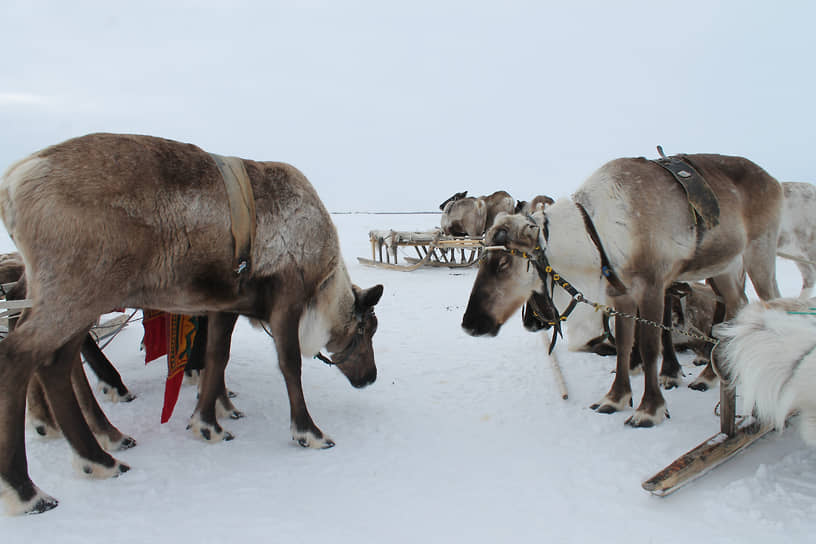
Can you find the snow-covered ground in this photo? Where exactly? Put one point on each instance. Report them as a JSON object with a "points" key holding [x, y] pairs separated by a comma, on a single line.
{"points": [[460, 440]]}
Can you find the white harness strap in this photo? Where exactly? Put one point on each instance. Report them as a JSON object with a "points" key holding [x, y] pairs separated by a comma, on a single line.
{"points": [[242, 208]]}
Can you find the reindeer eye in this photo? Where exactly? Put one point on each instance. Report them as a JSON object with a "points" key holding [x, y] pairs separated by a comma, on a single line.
{"points": [[504, 263]]}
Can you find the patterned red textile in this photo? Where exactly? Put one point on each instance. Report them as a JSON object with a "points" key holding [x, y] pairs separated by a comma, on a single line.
{"points": [[156, 334], [172, 335]]}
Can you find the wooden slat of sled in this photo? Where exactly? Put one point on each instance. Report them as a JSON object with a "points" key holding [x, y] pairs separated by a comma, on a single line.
{"points": [[13, 308], [401, 267], [431, 248], [439, 264], [109, 327], [698, 461], [15, 304]]}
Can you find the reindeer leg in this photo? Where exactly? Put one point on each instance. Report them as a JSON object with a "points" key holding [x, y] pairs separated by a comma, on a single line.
{"points": [[287, 343], [671, 374], [91, 459], [108, 436], [635, 361], [204, 421], [808, 272], [195, 364], [619, 396], [724, 288], [652, 408], [110, 381], [17, 491], [39, 413]]}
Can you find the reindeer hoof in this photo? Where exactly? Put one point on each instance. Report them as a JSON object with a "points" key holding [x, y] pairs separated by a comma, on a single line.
{"points": [[225, 408], [607, 405], [308, 439], [209, 432], [45, 430], [604, 408], [127, 443], [326, 444], [37, 504], [43, 504], [115, 396], [98, 471], [42, 430], [643, 419], [670, 382]]}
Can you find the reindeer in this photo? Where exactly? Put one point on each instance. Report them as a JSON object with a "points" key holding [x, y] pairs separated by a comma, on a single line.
{"points": [[86, 213], [588, 329], [630, 222], [537, 204], [464, 215], [797, 235]]}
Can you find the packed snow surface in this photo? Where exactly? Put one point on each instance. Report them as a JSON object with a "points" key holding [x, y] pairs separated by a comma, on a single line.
{"points": [[460, 440]]}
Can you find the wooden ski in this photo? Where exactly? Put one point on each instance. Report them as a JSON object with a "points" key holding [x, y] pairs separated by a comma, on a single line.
{"points": [[716, 450]]}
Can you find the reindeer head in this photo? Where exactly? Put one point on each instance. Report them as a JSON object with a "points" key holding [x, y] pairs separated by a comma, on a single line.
{"points": [[454, 198], [505, 278], [351, 343]]}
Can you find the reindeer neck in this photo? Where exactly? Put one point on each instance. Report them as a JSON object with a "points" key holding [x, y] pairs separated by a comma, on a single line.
{"points": [[570, 248]]}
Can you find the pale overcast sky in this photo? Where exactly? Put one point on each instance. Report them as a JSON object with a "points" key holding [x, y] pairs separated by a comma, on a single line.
{"points": [[396, 105]]}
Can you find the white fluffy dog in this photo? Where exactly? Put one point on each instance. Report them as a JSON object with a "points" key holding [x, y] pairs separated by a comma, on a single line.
{"points": [[768, 351]]}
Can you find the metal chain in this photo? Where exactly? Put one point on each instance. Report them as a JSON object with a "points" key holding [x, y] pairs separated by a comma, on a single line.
{"points": [[613, 312]]}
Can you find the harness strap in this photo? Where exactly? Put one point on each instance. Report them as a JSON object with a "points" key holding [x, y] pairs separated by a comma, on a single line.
{"points": [[606, 267], [704, 204], [242, 209]]}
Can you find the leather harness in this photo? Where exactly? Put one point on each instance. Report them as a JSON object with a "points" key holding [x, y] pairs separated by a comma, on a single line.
{"points": [[242, 209], [704, 204]]}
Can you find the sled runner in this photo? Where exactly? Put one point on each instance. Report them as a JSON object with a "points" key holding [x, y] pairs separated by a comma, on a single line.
{"points": [[736, 434], [432, 249], [700, 460]]}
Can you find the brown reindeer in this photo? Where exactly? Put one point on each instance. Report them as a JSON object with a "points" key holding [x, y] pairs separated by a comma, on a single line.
{"points": [[645, 238], [87, 213], [537, 204], [797, 234], [464, 215]]}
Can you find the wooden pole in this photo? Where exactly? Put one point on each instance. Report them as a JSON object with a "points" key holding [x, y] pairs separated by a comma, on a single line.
{"points": [[559, 376]]}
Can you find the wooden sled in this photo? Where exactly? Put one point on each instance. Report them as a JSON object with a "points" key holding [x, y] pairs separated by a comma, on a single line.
{"points": [[432, 249], [13, 308], [734, 436]]}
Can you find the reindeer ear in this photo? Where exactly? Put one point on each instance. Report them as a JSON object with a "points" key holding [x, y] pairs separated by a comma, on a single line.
{"points": [[368, 298]]}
